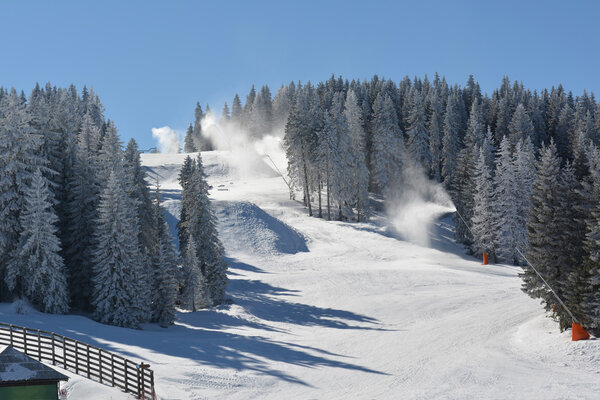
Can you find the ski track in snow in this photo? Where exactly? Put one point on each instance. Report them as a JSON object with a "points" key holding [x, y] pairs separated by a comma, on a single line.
{"points": [[323, 310]]}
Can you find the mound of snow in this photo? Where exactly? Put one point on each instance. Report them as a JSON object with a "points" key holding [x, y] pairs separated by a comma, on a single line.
{"points": [[244, 227]]}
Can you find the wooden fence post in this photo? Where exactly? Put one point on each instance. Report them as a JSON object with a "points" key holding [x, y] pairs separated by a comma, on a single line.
{"points": [[112, 369], [53, 351], [77, 357], [87, 353], [39, 346], [126, 377]]}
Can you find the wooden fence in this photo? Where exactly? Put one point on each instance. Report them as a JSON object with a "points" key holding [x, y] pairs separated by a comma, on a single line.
{"points": [[83, 359]]}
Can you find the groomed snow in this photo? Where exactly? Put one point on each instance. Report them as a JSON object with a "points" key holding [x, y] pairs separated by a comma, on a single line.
{"points": [[329, 310]]}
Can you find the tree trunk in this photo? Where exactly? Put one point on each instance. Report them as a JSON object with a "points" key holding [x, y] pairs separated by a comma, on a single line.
{"points": [[306, 189], [320, 204], [328, 197]]}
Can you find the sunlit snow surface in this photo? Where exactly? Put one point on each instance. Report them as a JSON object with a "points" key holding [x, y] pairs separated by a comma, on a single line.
{"points": [[329, 310]]}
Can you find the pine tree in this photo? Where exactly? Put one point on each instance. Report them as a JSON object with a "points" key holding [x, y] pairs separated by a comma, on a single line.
{"points": [[201, 143], [236, 110], [185, 176], [475, 126], [188, 141], [199, 223], [561, 134], [524, 166], [298, 142], [225, 114], [435, 147], [165, 271], [451, 143], [341, 180], [195, 292], [544, 234], [418, 137], [110, 154], [356, 157], [326, 157], [140, 195], [462, 192], [507, 218], [281, 106], [38, 261], [520, 126], [120, 294], [19, 158], [482, 222], [248, 105], [202, 227], [571, 221], [503, 116], [590, 306], [83, 190], [387, 144]]}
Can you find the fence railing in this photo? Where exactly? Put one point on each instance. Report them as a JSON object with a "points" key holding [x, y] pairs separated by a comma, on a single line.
{"points": [[81, 358]]}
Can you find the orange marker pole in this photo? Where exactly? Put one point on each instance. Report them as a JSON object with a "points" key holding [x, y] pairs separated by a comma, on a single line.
{"points": [[485, 258]]}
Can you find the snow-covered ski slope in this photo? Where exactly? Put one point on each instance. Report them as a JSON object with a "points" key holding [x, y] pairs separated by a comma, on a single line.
{"points": [[329, 310]]}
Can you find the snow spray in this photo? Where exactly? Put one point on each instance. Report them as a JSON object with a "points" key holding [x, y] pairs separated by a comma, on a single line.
{"points": [[415, 203], [168, 140], [248, 153]]}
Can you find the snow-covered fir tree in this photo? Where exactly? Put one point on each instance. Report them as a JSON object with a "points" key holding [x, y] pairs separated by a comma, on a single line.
{"points": [[524, 173], [451, 142], [299, 140], [356, 157], [185, 176], [120, 293], [188, 141], [326, 158], [387, 144], [520, 126], [195, 293], [544, 233], [418, 137], [507, 221], [20, 156], [483, 208], [83, 191], [38, 262], [165, 285], [201, 227]]}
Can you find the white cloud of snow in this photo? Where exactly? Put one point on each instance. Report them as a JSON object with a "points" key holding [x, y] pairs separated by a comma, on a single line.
{"points": [[168, 139], [249, 154], [416, 204]]}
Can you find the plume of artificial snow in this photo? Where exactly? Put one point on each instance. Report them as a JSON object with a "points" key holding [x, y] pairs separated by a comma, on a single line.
{"points": [[415, 204], [168, 140]]}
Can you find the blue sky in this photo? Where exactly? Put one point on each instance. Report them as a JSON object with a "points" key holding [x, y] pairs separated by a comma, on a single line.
{"points": [[151, 61]]}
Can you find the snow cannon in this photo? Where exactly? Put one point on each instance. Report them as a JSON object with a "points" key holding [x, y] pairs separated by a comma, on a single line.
{"points": [[578, 332], [485, 258]]}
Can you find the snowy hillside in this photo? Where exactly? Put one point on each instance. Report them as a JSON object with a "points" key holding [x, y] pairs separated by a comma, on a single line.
{"points": [[327, 310]]}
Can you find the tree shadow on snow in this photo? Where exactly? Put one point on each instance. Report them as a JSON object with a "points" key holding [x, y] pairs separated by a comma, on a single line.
{"points": [[271, 303], [170, 194], [203, 337], [235, 264]]}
